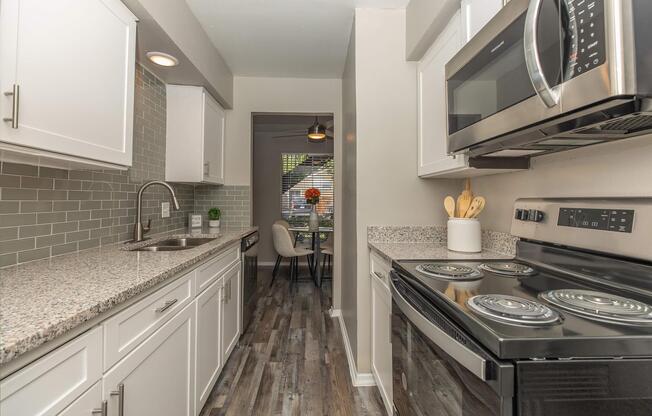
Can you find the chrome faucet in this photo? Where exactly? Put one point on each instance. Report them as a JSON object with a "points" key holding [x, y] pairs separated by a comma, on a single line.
{"points": [[139, 230]]}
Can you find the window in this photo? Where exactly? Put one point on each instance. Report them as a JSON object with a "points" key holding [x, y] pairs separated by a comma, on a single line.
{"points": [[300, 171]]}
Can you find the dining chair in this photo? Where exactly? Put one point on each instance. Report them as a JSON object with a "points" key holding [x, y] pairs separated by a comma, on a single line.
{"points": [[286, 249], [327, 252], [293, 236]]}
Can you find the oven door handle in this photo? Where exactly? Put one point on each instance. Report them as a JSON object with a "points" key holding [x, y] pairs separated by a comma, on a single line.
{"points": [[549, 96], [465, 357]]}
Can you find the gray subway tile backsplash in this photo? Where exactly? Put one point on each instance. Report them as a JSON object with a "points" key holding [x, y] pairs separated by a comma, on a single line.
{"points": [[48, 211]]}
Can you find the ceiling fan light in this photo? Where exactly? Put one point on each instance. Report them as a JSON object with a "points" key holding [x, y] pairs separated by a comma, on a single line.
{"points": [[317, 131], [316, 136]]}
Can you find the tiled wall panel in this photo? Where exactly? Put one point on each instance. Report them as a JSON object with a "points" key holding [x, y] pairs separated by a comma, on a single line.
{"points": [[46, 212]]}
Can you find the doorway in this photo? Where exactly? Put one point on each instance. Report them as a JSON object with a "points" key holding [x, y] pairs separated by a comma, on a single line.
{"points": [[286, 162]]}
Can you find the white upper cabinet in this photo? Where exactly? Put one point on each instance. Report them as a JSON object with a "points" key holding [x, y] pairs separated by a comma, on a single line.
{"points": [[70, 66], [431, 80], [195, 136], [433, 158], [476, 14]]}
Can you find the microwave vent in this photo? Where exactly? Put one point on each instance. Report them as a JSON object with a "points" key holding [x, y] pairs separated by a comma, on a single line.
{"points": [[626, 125]]}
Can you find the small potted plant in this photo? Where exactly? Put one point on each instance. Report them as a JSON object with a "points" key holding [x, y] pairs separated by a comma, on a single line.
{"points": [[214, 215], [312, 197]]}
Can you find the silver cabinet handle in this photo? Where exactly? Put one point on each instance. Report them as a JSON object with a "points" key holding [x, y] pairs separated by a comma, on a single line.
{"points": [[15, 97], [549, 96], [166, 306], [207, 168], [102, 411], [464, 356], [121, 398]]}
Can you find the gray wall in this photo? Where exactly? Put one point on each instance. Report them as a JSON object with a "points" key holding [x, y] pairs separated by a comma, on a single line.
{"points": [[267, 180], [388, 190], [348, 214], [45, 212], [617, 169]]}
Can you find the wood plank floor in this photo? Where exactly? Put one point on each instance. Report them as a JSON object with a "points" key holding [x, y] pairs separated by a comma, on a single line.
{"points": [[291, 360]]}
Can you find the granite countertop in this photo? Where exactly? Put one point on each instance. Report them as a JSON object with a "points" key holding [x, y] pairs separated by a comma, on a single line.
{"points": [[430, 251], [429, 243], [42, 300]]}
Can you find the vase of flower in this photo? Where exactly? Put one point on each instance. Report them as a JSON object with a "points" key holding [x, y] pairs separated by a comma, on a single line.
{"points": [[312, 197]]}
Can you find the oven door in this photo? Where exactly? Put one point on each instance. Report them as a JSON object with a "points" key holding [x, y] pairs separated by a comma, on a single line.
{"points": [[439, 370], [509, 75]]}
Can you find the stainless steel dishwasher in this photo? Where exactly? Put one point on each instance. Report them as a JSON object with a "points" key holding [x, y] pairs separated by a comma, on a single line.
{"points": [[249, 249]]}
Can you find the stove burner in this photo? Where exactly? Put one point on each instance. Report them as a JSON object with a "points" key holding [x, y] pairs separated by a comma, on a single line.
{"points": [[513, 310], [508, 268], [600, 306], [449, 271]]}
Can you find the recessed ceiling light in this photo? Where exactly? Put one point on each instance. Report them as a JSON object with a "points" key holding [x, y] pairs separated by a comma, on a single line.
{"points": [[163, 59]]}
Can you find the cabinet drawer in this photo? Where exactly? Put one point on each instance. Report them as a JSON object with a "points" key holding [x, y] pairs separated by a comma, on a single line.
{"points": [[126, 330], [379, 268], [210, 271], [48, 385]]}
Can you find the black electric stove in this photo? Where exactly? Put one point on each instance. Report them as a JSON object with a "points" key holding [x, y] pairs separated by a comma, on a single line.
{"points": [[563, 328]]}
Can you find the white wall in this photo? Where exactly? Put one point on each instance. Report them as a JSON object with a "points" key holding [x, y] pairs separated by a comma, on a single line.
{"points": [[621, 168], [282, 95], [388, 189], [349, 253]]}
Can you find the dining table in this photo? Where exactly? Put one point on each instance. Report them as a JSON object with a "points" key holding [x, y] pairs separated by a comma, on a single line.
{"points": [[316, 247]]}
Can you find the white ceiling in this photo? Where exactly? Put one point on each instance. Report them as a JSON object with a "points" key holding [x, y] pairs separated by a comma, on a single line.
{"points": [[282, 38]]}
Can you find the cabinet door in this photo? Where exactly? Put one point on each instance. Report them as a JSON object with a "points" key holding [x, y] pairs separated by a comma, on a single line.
{"points": [[74, 64], [54, 381], [87, 403], [208, 357], [381, 347], [157, 377], [476, 14], [432, 103], [231, 311], [214, 124]]}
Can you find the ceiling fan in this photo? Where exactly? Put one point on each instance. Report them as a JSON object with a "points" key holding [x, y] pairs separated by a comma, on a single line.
{"points": [[316, 133]]}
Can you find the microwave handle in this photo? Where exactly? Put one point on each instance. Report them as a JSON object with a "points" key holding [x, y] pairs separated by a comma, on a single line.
{"points": [[549, 96], [464, 356]]}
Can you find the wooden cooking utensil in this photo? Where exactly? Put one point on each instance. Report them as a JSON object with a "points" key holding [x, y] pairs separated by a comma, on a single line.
{"points": [[465, 199], [476, 207], [480, 208], [449, 205]]}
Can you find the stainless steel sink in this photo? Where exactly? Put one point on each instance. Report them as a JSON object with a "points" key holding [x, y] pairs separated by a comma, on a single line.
{"points": [[174, 244]]}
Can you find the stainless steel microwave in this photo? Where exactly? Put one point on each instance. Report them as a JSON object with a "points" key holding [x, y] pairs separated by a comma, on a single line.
{"points": [[549, 75]]}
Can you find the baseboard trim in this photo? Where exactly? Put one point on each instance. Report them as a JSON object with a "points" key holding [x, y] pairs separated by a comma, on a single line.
{"points": [[357, 379]]}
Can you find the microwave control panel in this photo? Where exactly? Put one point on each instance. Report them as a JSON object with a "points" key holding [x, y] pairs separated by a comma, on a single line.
{"points": [[585, 36]]}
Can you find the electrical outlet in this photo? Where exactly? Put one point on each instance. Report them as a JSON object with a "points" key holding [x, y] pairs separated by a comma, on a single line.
{"points": [[165, 210]]}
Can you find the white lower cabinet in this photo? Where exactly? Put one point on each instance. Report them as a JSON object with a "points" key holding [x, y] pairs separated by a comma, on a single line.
{"points": [[381, 342], [156, 378], [53, 382], [231, 311], [87, 403], [208, 355], [160, 356]]}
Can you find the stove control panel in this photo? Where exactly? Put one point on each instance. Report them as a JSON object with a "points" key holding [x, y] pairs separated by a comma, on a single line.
{"points": [[617, 220], [533, 215]]}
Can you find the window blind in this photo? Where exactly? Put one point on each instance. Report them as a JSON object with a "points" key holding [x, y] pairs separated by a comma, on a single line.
{"points": [[300, 171]]}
